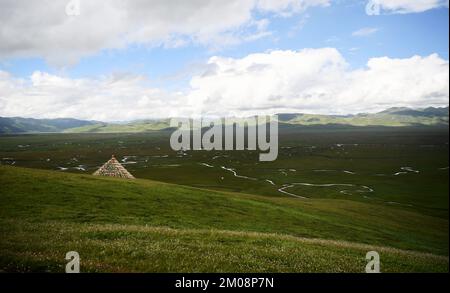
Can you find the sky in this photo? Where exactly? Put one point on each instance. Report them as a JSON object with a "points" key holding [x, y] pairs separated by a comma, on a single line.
{"points": [[123, 60]]}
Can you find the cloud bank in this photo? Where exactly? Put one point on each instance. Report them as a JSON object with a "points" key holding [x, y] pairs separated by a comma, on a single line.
{"points": [[405, 6], [310, 80], [41, 28]]}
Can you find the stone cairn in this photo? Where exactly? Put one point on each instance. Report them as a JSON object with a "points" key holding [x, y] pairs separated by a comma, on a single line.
{"points": [[113, 168]]}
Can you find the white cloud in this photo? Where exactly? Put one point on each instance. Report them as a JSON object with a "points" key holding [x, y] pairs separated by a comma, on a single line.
{"points": [[41, 28], [412, 82], [406, 6], [109, 98], [310, 80], [318, 81], [365, 31], [289, 7]]}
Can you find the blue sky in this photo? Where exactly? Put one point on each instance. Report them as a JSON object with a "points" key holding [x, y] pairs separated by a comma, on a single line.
{"points": [[397, 36], [398, 32]]}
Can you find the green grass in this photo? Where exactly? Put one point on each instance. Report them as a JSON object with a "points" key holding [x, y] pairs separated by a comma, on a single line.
{"points": [[373, 154], [129, 248], [144, 225], [232, 219]]}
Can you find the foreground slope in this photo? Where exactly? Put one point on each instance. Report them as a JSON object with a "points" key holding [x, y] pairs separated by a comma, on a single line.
{"points": [[142, 225]]}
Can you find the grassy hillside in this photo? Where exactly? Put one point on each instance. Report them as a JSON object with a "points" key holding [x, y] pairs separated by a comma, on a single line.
{"points": [[143, 225], [391, 117], [29, 125], [372, 157], [141, 126]]}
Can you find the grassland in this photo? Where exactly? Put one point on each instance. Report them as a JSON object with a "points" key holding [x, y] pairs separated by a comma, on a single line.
{"points": [[143, 225], [371, 157], [212, 220]]}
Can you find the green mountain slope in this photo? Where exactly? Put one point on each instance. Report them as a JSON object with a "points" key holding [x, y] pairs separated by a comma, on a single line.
{"points": [[26, 125], [140, 126], [394, 117], [143, 225], [390, 117]]}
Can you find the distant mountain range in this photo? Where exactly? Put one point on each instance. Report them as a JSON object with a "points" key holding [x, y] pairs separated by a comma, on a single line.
{"points": [[389, 117], [29, 125], [393, 117]]}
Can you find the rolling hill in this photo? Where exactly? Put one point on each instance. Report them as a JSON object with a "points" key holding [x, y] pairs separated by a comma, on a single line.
{"points": [[131, 127], [393, 117], [29, 125], [390, 117], [142, 225]]}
